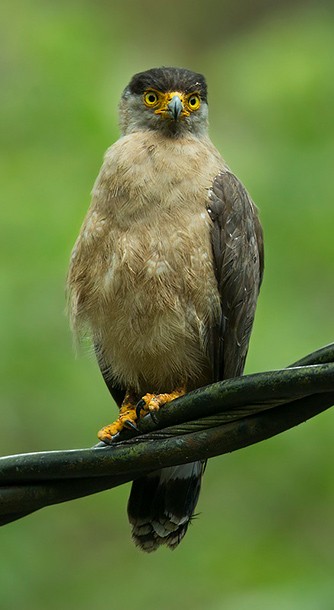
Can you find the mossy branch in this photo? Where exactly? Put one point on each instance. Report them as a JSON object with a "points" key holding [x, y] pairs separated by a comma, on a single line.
{"points": [[225, 416]]}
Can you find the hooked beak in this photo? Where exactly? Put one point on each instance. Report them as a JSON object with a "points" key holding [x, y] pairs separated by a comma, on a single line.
{"points": [[175, 107]]}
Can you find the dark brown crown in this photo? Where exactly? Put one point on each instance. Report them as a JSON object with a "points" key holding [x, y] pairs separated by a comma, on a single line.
{"points": [[168, 79]]}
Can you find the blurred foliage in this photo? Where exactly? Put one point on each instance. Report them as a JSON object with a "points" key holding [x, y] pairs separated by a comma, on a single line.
{"points": [[264, 537]]}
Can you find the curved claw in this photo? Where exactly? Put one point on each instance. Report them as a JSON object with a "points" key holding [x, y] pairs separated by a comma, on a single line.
{"points": [[109, 441], [139, 406], [114, 437], [130, 424]]}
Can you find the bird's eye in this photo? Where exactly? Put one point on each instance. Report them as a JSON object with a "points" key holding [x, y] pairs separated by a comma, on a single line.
{"points": [[151, 98], [194, 101]]}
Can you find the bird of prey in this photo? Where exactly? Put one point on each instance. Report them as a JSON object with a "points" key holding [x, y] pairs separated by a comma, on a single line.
{"points": [[165, 276]]}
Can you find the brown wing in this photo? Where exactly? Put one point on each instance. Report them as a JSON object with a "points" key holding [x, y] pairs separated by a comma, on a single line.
{"points": [[237, 246], [116, 391]]}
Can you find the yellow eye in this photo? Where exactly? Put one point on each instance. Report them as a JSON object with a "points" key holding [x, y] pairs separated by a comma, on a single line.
{"points": [[151, 98], [193, 101]]}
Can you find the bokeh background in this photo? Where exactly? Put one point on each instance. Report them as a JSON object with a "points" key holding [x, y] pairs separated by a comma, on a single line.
{"points": [[264, 537]]}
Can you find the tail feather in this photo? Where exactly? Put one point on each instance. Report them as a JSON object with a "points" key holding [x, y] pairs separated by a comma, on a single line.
{"points": [[162, 504]]}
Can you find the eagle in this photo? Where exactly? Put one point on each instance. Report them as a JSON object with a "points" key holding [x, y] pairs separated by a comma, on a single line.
{"points": [[165, 276]]}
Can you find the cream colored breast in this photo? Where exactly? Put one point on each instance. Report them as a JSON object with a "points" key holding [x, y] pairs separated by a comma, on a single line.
{"points": [[152, 290]]}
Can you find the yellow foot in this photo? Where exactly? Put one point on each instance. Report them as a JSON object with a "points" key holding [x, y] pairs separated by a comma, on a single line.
{"points": [[131, 411], [127, 419], [152, 402]]}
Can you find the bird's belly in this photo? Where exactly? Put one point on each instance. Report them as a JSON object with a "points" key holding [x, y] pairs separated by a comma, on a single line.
{"points": [[160, 298]]}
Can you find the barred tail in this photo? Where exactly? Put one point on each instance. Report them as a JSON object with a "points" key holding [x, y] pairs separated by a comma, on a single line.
{"points": [[162, 504]]}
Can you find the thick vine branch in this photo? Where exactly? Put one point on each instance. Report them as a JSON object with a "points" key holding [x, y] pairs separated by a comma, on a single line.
{"points": [[225, 416]]}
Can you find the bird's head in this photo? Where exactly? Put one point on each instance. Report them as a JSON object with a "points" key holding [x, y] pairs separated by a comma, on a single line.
{"points": [[170, 100]]}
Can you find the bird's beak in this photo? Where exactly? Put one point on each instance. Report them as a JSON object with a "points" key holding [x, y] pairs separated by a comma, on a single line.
{"points": [[173, 106]]}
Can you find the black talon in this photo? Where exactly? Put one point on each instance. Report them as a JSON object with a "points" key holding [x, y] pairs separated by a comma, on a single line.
{"points": [[113, 438], [108, 441], [130, 424], [140, 405]]}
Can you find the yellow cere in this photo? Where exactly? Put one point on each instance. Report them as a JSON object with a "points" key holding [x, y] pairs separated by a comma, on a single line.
{"points": [[159, 101]]}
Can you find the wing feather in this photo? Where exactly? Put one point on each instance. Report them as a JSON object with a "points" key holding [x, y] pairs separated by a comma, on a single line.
{"points": [[237, 247]]}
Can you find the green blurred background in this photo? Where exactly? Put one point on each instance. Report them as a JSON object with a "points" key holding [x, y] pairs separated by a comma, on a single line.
{"points": [[264, 538]]}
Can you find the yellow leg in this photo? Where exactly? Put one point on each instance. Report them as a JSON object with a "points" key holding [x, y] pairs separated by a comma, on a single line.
{"points": [[127, 419]]}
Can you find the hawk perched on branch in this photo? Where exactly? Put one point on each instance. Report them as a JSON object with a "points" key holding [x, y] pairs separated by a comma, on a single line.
{"points": [[165, 276]]}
